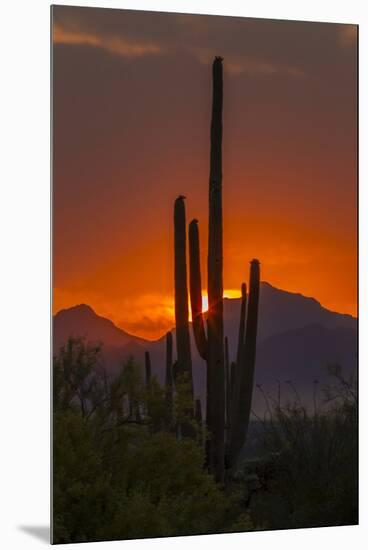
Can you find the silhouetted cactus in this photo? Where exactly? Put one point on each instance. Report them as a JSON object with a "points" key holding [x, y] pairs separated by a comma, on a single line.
{"points": [[147, 365], [232, 411], [243, 309], [195, 284], [169, 360], [184, 359], [198, 411], [169, 376], [199, 419], [232, 383], [243, 386], [227, 388], [215, 323], [212, 348]]}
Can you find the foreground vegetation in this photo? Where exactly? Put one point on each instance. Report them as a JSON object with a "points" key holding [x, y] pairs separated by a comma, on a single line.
{"points": [[122, 468], [129, 460], [309, 473]]}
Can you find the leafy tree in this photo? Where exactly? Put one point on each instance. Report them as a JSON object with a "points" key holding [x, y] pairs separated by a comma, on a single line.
{"points": [[122, 466]]}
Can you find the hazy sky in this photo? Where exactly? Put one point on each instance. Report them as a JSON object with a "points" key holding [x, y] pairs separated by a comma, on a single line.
{"points": [[132, 100]]}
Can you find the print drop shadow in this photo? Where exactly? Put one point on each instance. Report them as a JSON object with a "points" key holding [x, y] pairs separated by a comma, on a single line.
{"points": [[41, 532]]}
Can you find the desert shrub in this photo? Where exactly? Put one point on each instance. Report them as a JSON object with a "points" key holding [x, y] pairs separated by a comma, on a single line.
{"points": [[120, 468], [310, 475]]}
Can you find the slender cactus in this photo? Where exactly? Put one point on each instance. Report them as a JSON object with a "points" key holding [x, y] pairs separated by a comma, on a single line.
{"points": [[169, 360], [147, 365], [181, 292], [215, 370], [241, 334], [243, 388], [198, 411], [196, 290], [232, 382], [237, 366], [169, 377], [199, 420], [227, 387]]}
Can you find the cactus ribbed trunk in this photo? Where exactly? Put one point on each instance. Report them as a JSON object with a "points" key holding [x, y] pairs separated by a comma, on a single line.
{"points": [[215, 370], [196, 290], [243, 387], [181, 293]]}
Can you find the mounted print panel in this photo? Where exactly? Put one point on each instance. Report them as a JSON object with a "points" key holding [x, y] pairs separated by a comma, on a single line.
{"points": [[204, 274]]}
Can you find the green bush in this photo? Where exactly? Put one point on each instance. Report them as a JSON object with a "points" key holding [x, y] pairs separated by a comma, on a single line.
{"points": [[120, 469], [310, 477]]}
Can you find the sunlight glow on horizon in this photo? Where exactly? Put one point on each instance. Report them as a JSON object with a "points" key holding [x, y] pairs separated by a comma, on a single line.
{"points": [[228, 293]]}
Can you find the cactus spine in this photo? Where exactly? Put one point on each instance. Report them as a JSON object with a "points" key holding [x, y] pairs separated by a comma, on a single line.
{"points": [[181, 293]]}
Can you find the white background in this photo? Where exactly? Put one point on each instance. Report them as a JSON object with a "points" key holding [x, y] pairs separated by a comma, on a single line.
{"points": [[25, 271]]}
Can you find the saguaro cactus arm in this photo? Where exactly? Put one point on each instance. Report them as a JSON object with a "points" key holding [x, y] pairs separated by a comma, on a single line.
{"points": [[241, 335], [242, 398], [196, 290], [251, 336]]}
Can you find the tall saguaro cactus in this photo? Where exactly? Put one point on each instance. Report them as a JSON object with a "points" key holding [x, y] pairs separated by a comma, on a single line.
{"points": [[229, 393], [184, 360], [215, 324], [211, 348], [244, 375]]}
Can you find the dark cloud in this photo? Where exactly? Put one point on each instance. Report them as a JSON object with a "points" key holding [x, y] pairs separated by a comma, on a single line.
{"points": [[250, 45]]}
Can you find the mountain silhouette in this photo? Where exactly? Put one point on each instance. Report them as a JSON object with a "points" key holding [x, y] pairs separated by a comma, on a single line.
{"points": [[297, 340], [82, 321]]}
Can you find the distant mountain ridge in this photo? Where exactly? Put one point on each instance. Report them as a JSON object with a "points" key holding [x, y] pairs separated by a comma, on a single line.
{"points": [[279, 310], [81, 320], [297, 339]]}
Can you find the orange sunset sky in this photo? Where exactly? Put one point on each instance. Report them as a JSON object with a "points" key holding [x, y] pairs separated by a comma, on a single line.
{"points": [[131, 117]]}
